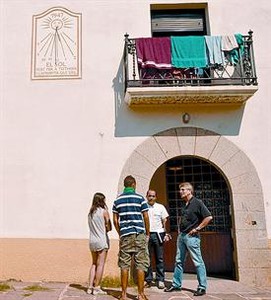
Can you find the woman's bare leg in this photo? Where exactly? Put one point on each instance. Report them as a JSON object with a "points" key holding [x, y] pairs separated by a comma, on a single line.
{"points": [[92, 270], [101, 258]]}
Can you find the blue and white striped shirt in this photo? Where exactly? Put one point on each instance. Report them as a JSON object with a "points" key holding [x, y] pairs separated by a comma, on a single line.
{"points": [[130, 206]]}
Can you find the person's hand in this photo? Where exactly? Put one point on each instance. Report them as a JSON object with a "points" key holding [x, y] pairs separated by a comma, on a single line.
{"points": [[167, 237], [193, 231]]}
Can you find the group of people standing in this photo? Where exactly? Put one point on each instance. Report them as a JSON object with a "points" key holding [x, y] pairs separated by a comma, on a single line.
{"points": [[142, 230]]}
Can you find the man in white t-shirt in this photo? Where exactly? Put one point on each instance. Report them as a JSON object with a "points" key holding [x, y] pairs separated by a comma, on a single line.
{"points": [[158, 216]]}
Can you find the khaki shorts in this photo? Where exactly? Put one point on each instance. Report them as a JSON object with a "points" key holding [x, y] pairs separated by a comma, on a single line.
{"points": [[134, 245]]}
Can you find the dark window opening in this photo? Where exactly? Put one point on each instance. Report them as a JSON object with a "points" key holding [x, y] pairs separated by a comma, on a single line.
{"points": [[178, 22]]}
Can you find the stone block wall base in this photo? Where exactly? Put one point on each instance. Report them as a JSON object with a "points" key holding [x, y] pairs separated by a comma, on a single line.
{"points": [[260, 277], [59, 260]]}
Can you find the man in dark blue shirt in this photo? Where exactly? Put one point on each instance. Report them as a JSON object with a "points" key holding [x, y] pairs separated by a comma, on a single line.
{"points": [[194, 217]]}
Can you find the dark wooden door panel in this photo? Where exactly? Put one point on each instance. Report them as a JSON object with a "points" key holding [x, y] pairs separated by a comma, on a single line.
{"points": [[216, 252]]}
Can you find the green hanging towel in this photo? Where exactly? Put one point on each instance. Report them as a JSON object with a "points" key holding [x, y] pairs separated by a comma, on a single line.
{"points": [[234, 54], [188, 51]]}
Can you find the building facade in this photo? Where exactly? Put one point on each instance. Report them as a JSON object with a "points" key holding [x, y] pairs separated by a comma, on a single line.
{"points": [[80, 111]]}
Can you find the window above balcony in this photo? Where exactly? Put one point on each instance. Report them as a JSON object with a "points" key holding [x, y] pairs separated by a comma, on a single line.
{"points": [[189, 69]]}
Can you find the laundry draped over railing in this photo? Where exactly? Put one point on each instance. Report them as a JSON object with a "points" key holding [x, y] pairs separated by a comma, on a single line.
{"points": [[190, 60], [188, 51], [154, 52]]}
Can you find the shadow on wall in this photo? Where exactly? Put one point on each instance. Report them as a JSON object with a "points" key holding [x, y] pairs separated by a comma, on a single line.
{"points": [[224, 119]]}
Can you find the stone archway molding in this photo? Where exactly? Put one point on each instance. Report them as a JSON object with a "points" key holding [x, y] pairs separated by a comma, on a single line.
{"points": [[252, 252]]}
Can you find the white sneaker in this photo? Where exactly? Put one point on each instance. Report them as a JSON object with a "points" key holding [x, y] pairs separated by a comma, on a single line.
{"points": [[98, 291], [160, 285], [89, 290]]}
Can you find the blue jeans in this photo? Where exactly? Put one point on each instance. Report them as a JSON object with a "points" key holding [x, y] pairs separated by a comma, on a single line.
{"points": [[156, 248], [191, 244]]}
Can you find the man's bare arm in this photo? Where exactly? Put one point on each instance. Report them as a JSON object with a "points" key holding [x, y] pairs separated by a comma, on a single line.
{"points": [[147, 222], [116, 222]]}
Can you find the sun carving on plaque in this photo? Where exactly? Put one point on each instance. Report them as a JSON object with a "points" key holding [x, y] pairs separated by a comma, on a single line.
{"points": [[56, 45]]}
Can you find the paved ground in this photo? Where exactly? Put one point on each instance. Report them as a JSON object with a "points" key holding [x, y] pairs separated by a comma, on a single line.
{"points": [[217, 289]]}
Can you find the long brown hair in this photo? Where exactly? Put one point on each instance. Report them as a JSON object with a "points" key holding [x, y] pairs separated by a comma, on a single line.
{"points": [[98, 201]]}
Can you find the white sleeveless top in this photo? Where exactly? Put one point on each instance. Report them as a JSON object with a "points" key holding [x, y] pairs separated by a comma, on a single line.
{"points": [[98, 238]]}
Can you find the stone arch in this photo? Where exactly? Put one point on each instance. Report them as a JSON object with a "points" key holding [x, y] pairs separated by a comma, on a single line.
{"points": [[249, 226]]}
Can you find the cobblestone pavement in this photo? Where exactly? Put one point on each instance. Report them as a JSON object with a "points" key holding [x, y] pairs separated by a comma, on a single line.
{"points": [[217, 289]]}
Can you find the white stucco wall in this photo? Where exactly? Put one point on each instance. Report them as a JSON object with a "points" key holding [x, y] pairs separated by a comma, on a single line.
{"points": [[63, 140]]}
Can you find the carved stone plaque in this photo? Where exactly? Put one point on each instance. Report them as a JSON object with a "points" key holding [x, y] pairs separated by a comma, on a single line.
{"points": [[56, 44]]}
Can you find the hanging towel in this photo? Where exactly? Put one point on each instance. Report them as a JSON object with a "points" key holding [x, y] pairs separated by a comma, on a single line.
{"points": [[214, 53], [188, 51], [234, 54], [229, 42], [154, 52]]}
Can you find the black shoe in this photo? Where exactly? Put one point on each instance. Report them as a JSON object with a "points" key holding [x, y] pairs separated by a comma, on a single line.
{"points": [[171, 289], [147, 284], [200, 292]]}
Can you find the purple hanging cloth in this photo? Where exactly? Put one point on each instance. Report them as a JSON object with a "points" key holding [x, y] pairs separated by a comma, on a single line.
{"points": [[154, 52]]}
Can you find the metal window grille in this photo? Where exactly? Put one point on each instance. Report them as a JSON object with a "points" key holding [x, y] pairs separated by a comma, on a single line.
{"points": [[209, 186]]}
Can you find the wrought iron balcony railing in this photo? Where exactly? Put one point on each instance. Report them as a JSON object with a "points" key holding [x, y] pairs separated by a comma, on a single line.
{"points": [[241, 73]]}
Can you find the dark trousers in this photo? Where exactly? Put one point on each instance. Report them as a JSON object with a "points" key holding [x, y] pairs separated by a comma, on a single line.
{"points": [[156, 249]]}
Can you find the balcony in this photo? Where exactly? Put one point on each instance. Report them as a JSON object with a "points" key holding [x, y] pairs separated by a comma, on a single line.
{"points": [[232, 81]]}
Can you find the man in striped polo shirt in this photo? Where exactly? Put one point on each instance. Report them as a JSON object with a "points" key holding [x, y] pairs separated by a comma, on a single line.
{"points": [[131, 220]]}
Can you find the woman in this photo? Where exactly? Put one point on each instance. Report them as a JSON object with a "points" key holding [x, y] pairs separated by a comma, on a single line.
{"points": [[99, 224]]}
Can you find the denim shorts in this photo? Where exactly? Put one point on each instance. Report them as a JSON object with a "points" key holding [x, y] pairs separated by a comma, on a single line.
{"points": [[134, 245]]}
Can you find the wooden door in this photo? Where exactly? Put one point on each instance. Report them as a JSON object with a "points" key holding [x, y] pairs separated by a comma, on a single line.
{"points": [[211, 187], [216, 252]]}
